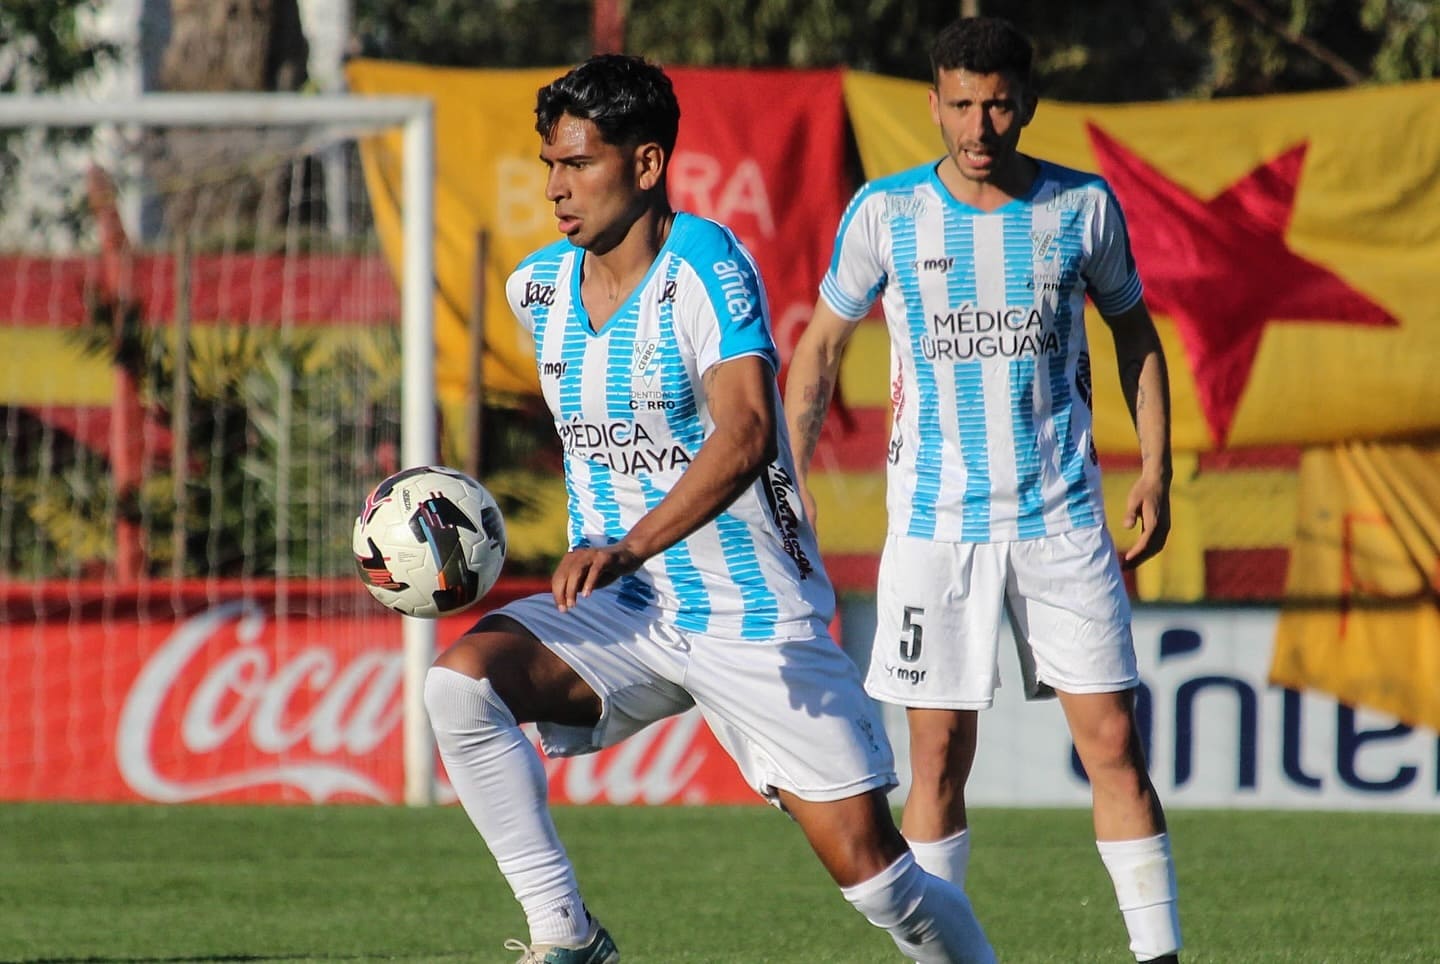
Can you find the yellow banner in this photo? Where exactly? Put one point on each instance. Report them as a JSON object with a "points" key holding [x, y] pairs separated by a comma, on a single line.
{"points": [[1287, 245], [487, 176], [1362, 617]]}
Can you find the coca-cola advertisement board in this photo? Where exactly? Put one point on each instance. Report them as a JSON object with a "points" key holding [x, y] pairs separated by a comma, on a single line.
{"points": [[224, 700]]}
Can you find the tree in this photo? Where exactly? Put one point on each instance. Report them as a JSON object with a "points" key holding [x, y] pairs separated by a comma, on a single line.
{"points": [[1100, 51], [475, 33], [218, 47], [43, 47]]}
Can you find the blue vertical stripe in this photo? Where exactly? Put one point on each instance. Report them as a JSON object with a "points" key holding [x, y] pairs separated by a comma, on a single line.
{"points": [[761, 610], [971, 424], [683, 415], [691, 595], [619, 335], [974, 452], [1030, 508], [930, 444], [1069, 239], [571, 383], [1020, 294]]}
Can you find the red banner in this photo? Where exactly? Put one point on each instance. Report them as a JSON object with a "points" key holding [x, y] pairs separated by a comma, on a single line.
{"points": [[763, 151], [227, 702]]}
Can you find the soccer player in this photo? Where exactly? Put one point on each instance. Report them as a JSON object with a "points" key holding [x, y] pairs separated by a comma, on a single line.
{"points": [[693, 577], [982, 261]]}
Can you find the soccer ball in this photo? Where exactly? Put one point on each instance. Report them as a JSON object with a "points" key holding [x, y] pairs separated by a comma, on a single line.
{"points": [[429, 542]]}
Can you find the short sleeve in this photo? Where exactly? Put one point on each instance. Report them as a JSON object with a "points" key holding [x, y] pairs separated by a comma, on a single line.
{"points": [[721, 302], [857, 274], [1110, 275]]}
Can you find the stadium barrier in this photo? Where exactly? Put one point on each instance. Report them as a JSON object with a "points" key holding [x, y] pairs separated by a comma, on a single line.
{"points": [[244, 691]]}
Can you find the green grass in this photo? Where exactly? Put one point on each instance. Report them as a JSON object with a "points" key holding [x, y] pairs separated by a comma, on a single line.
{"points": [[724, 885]]}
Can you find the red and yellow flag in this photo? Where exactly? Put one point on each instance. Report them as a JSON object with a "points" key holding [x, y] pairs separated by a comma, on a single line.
{"points": [[1362, 617], [1289, 268]]}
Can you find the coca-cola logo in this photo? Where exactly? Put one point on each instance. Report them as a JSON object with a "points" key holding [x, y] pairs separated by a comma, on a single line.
{"points": [[249, 696], [220, 708]]}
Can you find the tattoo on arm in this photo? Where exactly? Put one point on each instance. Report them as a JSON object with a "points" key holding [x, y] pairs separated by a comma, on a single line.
{"points": [[812, 416]]}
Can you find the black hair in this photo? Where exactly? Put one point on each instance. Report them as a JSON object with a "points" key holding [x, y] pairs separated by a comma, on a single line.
{"points": [[630, 100], [983, 45]]}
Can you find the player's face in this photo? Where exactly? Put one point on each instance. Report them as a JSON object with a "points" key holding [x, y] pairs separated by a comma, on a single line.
{"points": [[596, 187], [980, 118]]}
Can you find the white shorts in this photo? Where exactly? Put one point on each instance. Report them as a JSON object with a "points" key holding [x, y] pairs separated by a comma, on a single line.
{"points": [[938, 619], [792, 713]]}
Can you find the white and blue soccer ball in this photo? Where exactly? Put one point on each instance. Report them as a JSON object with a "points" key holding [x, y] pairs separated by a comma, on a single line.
{"points": [[429, 541]]}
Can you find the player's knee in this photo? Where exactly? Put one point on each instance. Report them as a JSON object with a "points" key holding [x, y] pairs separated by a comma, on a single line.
{"points": [[1110, 741], [463, 709], [942, 741]]}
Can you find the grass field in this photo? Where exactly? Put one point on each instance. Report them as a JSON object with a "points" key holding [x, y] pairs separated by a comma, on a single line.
{"points": [[724, 885]]}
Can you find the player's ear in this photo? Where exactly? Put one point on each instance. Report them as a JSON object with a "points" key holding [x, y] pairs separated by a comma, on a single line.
{"points": [[1029, 101], [650, 162]]}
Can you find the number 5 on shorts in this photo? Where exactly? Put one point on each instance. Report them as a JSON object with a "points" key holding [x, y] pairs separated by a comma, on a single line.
{"points": [[910, 633]]}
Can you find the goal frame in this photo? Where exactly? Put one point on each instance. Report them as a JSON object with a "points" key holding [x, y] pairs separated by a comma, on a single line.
{"points": [[418, 437]]}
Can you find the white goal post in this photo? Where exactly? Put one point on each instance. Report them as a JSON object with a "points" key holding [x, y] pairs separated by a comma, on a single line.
{"points": [[418, 435]]}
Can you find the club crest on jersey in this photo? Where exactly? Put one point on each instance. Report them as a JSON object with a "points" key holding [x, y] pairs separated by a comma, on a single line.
{"points": [[645, 363], [1043, 244]]}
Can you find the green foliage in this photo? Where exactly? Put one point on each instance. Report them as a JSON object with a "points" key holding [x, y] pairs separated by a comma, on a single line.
{"points": [[286, 432], [280, 428], [1101, 51], [1410, 38], [42, 48], [57, 512], [467, 33]]}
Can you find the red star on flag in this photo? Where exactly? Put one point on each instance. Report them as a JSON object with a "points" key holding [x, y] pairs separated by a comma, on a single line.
{"points": [[1221, 268]]}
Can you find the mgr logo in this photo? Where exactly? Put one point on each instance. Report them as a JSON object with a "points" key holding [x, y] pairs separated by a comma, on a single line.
{"points": [[941, 265]]}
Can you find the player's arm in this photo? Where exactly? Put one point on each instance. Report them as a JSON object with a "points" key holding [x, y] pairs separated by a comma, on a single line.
{"points": [[1145, 383], [740, 393], [810, 385]]}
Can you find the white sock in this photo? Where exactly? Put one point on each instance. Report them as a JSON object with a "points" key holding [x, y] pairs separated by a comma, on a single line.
{"points": [[1144, 877], [501, 784], [929, 919], [947, 858]]}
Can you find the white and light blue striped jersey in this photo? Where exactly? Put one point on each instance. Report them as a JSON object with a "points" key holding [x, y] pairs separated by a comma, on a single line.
{"points": [[990, 371], [632, 414]]}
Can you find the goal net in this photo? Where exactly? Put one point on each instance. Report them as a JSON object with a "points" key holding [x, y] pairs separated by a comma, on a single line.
{"points": [[206, 361]]}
